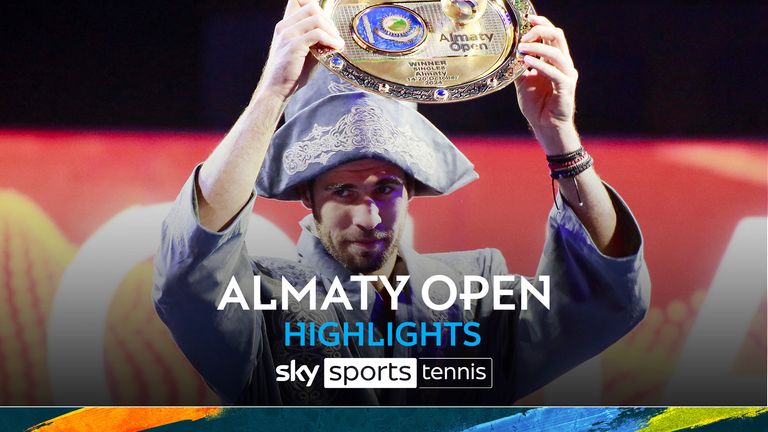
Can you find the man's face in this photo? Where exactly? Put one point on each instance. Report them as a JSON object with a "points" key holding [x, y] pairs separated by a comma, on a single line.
{"points": [[360, 210]]}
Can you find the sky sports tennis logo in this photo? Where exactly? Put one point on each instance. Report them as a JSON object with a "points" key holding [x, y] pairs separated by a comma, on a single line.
{"points": [[462, 373]]}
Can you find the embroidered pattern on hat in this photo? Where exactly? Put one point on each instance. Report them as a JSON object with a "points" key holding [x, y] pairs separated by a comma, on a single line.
{"points": [[367, 130]]}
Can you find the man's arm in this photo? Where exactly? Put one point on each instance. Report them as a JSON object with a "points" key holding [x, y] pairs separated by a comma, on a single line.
{"points": [[595, 300], [228, 175], [546, 95], [593, 254], [203, 238]]}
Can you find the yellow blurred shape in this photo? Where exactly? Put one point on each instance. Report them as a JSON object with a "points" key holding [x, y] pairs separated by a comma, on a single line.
{"points": [[33, 257], [673, 419]]}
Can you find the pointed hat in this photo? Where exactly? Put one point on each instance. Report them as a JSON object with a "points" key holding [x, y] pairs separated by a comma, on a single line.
{"points": [[329, 122]]}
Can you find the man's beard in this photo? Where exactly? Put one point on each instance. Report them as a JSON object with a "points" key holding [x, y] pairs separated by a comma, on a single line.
{"points": [[367, 261]]}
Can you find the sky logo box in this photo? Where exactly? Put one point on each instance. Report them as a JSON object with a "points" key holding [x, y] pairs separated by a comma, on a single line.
{"points": [[408, 373]]}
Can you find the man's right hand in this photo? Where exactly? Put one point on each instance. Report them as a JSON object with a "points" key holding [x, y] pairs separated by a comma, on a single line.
{"points": [[226, 179], [304, 24]]}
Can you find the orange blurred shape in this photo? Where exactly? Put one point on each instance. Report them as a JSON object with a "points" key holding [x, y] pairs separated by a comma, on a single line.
{"points": [[746, 163], [144, 365], [122, 419]]}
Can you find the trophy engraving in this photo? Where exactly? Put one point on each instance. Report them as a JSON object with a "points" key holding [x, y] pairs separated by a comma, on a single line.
{"points": [[428, 51]]}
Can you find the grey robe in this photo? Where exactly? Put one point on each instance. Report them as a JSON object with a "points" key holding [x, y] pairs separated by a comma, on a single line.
{"points": [[595, 300]]}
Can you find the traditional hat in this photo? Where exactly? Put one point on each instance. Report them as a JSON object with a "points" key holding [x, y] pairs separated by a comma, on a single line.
{"points": [[329, 122]]}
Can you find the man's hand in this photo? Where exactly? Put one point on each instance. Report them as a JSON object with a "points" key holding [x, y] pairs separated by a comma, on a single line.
{"points": [[304, 24], [546, 92], [227, 176]]}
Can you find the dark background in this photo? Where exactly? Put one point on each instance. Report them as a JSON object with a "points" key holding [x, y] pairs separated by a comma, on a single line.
{"points": [[647, 68]]}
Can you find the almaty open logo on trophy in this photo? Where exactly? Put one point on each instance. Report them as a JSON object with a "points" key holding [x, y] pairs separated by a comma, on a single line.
{"points": [[428, 51]]}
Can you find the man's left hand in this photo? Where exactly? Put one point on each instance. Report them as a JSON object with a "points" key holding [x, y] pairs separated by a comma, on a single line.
{"points": [[546, 92]]}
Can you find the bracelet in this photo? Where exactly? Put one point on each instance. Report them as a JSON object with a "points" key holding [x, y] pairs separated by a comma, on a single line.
{"points": [[567, 156], [569, 165], [554, 166], [573, 169]]}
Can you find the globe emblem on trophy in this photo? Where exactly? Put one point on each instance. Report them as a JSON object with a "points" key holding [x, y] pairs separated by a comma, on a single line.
{"points": [[463, 12], [396, 25], [389, 30]]}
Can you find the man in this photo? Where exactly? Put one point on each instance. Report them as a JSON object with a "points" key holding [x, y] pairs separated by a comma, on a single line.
{"points": [[355, 160]]}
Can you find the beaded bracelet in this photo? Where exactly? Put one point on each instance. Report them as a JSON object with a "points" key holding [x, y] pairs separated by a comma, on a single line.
{"points": [[569, 165], [572, 170], [567, 156], [561, 165]]}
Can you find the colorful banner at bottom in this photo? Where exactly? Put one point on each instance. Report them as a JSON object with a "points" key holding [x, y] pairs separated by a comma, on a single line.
{"points": [[384, 419]]}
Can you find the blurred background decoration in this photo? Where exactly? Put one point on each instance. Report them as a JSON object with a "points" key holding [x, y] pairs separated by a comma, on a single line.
{"points": [[657, 67]]}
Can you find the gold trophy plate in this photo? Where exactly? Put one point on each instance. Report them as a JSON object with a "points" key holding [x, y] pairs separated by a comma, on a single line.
{"points": [[428, 51]]}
